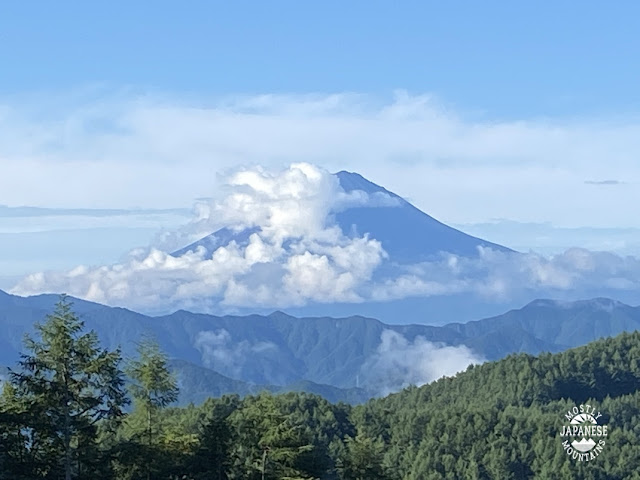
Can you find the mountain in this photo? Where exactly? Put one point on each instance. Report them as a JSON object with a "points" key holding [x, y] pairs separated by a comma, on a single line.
{"points": [[279, 351], [407, 234], [197, 383]]}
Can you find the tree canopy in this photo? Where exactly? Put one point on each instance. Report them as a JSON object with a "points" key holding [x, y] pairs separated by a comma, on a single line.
{"points": [[64, 415]]}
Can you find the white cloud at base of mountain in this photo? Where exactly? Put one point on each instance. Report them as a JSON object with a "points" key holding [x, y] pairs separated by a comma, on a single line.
{"points": [[499, 275], [299, 256], [220, 353], [232, 277], [187, 283], [398, 362]]}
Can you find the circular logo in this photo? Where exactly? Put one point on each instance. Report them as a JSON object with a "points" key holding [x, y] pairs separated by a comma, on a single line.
{"points": [[584, 437]]}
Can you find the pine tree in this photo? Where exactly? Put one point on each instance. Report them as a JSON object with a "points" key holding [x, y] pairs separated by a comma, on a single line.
{"points": [[67, 384], [362, 460], [213, 457], [153, 389], [270, 444], [14, 461]]}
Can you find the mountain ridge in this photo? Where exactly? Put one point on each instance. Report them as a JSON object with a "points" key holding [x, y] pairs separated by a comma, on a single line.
{"points": [[279, 349]]}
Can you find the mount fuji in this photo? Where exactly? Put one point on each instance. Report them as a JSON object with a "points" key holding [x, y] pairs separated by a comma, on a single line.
{"points": [[407, 234], [313, 244]]}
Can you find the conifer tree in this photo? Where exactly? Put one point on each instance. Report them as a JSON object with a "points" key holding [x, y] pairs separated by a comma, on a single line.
{"points": [[362, 460], [153, 388], [67, 384]]}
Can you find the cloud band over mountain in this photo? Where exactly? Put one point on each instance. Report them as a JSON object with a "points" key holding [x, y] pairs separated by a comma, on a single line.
{"points": [[296, 254]]}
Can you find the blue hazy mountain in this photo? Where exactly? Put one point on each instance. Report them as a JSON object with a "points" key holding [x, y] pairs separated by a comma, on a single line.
{"points": [[407, 234], [220, 354]]}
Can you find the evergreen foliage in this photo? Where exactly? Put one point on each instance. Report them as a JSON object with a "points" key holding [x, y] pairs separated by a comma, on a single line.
{"points": [[64, 386], [61, 416]]}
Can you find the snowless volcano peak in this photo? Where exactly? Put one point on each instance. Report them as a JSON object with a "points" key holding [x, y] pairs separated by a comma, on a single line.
{"points": [[407, 234], [350, 181]]}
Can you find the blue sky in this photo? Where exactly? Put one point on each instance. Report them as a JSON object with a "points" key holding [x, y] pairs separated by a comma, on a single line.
{"points": [[493, 58], [515, 121]]}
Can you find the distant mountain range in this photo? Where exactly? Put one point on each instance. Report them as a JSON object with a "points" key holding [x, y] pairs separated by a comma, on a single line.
{"points": [[331, 356]]}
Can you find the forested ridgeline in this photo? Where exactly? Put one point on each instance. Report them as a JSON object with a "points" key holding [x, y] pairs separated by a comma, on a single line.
{"points": [[502, 419], [72, 410]]}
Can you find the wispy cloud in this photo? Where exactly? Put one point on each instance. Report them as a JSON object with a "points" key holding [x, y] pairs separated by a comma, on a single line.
{"points": [[225, 356], [119, 150], [33, 219], [398, 362], [604, 182], [27, 211], [550, 239]]}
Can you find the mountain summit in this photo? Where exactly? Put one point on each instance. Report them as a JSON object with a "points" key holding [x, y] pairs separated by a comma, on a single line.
{"points": [[406, 233]]}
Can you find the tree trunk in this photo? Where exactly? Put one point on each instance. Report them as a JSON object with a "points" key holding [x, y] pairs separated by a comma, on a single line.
{"points": [[67, 432], [149, 440], [264, 462], [67, 457]]}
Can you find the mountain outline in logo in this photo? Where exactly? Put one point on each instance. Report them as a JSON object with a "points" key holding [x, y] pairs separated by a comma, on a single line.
{"points": [[584, 428]]}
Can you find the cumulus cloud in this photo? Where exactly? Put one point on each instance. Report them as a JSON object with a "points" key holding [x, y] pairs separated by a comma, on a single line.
{"points": [[222, 354], [230, 278], [296, 202], [290, 252], [295, 255], [399, 362]]}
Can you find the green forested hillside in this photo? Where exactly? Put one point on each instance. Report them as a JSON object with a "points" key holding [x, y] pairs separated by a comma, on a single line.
{"points": [[502, 420], [64, 415]]}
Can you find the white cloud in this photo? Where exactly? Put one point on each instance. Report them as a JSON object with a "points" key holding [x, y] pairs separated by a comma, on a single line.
{"points": [[297, 256], [158, 151], [292, 203], [550, 239], [398, 362], [221, 354], [502, 275]]}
